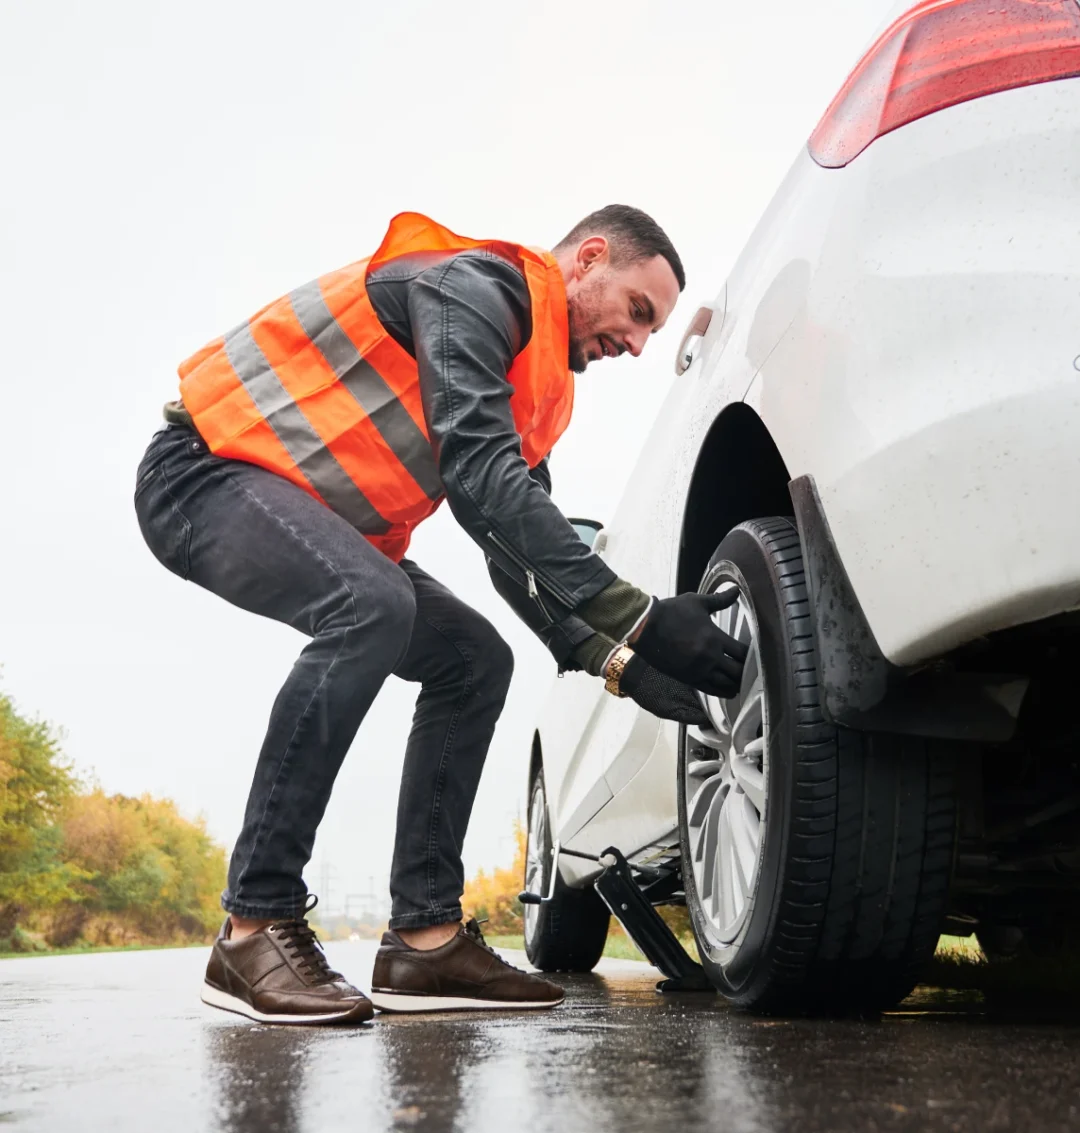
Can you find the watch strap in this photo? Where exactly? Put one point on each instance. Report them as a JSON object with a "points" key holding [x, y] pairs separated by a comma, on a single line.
{"points": [[616, 666]]}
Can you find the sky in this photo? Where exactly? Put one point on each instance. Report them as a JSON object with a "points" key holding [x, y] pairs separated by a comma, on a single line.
{"points": [[171, 168]]}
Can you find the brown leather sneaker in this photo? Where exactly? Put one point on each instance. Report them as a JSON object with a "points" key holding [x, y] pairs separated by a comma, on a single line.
{"points": [[461, 975], [280, 975]]}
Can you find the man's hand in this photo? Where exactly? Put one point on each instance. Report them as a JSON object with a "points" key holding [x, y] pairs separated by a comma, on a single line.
{"points": [[680, 639], [661, 695]]}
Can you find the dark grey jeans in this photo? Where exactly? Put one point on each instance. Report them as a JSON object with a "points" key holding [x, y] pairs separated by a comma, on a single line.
{"points": [[261, 543]]}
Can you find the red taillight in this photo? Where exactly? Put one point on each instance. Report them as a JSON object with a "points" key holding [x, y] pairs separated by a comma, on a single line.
{"points": [[943, 52]]}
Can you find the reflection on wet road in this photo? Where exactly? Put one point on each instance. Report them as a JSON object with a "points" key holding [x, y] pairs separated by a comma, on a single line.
{"points": [[119, 1041]]}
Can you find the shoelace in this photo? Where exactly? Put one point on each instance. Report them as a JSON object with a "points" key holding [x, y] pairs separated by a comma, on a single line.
{"points": [[303, 945], [472, 931]]}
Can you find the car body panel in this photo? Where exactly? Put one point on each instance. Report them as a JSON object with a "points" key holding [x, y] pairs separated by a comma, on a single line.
{"points": [[908, 330], [639, 819], [573, 774], [929, 382]]}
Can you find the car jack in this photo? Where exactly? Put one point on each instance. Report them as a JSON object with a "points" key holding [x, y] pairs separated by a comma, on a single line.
{"points": [[646, 928], [635, 912]]}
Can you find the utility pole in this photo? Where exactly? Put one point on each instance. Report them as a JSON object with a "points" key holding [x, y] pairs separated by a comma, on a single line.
{"points": [[370, 903], [326, 871]]}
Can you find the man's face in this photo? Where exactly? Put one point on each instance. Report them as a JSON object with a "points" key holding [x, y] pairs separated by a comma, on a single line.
{"points": [[614, 309]]}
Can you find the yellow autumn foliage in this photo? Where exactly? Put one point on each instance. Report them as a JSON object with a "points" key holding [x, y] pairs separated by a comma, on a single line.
{"points": [[82, 867], [149, 874], [494, 896]]}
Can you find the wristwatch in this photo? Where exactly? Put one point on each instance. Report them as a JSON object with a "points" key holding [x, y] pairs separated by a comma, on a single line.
{"points": [[616, 666]]}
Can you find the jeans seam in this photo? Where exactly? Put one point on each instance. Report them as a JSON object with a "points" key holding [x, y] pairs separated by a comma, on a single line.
{"points": [[260, 910], [440, 778], [186, 541], [282, 764], [144, 481], [427, 920]]}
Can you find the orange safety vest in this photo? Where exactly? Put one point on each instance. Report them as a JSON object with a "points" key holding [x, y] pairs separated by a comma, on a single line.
{"points": [[313, 388]]}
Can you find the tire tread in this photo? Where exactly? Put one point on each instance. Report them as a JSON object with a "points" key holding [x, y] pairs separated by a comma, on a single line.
{"points": [[864, 878]]}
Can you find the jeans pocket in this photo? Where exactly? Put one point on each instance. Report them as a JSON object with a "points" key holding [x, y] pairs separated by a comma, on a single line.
{"points": [[164, 526]]}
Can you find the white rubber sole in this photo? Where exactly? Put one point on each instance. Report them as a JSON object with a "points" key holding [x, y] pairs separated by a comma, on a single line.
{"points": [[392, 1001], [215, 997]]}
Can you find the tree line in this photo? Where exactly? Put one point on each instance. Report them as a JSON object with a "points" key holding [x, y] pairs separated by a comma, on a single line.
{"points": [[81, 867], [493, 897]]}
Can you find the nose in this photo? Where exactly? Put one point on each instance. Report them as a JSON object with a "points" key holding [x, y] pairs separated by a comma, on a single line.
{"points": [[635, 341]]}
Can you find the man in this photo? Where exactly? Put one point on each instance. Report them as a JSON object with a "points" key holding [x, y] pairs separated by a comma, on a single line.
{"points": [[307, 444]]}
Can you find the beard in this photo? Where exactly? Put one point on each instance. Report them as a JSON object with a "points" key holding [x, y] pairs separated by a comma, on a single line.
{"points": [[582, 316], [577, 359]]}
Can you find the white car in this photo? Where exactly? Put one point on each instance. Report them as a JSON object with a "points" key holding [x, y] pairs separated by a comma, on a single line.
{"points": [[876, 438]]}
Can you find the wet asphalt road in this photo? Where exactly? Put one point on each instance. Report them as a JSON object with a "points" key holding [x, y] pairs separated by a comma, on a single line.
{"points": [[119, 1041]]}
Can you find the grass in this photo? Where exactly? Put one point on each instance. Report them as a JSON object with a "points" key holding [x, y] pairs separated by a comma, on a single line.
{"points": [[961, 966], [618, 946], [960, 949], [512, 943], [955, 954], [79, 949], [958, 965]]}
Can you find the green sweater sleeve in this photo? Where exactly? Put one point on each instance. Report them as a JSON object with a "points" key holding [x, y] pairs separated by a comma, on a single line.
{"points": [[613, 613], [615, 610]]}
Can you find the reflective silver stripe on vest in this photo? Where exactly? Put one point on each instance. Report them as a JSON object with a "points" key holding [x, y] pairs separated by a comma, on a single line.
{"points": [[318, 464], [369, 388]]}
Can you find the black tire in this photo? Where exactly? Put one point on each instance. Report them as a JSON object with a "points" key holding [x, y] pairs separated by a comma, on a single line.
{"points": [[570, 931], [859, 830]]}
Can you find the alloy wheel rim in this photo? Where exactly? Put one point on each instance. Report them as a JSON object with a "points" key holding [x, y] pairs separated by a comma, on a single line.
{"points": [[726, 785], [534, 858]]}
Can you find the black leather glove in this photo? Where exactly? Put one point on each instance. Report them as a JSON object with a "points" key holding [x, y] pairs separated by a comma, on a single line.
{"points": [[661, 695], [680, 638]]}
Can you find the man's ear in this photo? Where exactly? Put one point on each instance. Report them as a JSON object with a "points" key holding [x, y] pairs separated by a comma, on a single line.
{"points": [[591, 253]]}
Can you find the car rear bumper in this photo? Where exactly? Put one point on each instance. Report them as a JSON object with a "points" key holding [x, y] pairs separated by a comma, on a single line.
{"points": [[966, 526]]}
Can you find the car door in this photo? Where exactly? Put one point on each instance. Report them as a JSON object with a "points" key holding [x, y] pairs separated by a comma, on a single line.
{"points": [[573, 768], [643, 541], [584, 730]]}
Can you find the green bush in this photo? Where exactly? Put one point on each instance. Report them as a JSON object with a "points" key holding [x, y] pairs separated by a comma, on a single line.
{"points": [[79, 866]]}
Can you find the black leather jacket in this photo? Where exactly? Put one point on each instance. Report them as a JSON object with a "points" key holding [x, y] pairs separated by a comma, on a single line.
{"points": [[464, 318]]}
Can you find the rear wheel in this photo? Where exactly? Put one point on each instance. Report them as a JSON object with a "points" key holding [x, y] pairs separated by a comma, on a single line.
{"points": [[816, 859], [568, 933]]}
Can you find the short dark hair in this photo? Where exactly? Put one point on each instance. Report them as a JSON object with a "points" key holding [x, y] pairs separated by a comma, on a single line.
{"points": [[633, 235]]}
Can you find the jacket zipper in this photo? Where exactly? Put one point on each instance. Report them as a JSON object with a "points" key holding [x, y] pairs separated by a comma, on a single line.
{"points": [[531, 576]]}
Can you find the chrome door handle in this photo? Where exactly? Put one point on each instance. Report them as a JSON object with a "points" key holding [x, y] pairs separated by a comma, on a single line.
{"points": [[692, 338]]}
